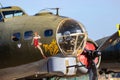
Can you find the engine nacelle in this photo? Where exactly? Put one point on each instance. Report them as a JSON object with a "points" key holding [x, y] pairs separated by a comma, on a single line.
{"points": [[65, 65]]}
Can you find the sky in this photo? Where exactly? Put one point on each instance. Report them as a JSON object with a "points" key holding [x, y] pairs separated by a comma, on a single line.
{"points": [[98, 16]]}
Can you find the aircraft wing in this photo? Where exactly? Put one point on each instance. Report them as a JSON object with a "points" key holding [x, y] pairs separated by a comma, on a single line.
{"points": [[107, 41], [17, 72], [110, 49]]}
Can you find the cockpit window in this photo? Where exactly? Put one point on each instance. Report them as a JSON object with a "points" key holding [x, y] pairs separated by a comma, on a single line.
{"points": [[48, 33], [16, 36], [18, 14], [28, 35], [9, 14]]}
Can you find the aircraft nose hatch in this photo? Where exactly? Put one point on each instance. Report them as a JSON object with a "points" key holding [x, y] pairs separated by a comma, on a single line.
{"points": [[71, 37]]}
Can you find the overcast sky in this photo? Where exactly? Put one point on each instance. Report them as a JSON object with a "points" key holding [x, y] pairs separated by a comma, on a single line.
{"points": [[98, 16]]}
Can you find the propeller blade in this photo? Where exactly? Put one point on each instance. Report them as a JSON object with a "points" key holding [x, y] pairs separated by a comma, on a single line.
{"points": [[93, 71], [92, 66], [93, 54]]}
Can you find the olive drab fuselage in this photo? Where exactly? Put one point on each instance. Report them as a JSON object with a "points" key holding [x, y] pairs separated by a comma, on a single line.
{"points": [[17, 34]]}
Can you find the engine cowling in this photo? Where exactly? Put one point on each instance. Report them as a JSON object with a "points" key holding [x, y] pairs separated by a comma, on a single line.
{"points": [[83, 59]]}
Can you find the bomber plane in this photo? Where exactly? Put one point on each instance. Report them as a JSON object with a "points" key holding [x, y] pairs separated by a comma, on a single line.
{"points": [[49, 45]]}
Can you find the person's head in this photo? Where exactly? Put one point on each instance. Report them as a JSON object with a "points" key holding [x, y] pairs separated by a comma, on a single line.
{"points": [[36, 33]]}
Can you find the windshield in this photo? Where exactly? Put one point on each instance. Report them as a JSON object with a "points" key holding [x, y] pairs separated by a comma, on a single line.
{"points": [[9, 14]]}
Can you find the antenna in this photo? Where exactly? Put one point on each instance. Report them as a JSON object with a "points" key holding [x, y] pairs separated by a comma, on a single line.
{"points": [[57, 10]]}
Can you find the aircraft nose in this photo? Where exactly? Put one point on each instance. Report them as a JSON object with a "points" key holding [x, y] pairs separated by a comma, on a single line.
{"points": [[71, 37]]}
